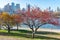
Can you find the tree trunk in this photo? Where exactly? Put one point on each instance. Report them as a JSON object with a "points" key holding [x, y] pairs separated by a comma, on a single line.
{"points": [[33, 33], [17, 27], [0, 26], [8, 29], [36, 29]]}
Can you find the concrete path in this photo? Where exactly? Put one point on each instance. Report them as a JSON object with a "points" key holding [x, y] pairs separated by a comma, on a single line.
{"points": [[8, 38]]}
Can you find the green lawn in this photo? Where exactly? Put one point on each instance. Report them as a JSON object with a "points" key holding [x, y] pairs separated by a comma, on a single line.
{"points": [[26, 35]]}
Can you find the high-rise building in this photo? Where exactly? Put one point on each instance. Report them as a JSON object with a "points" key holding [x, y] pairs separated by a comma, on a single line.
{"points": [[17, 6], [50, 10], [12, 8], [0, 10], [23, 9], [7, 8], [13, 4], [28, 7], [58, 9]]}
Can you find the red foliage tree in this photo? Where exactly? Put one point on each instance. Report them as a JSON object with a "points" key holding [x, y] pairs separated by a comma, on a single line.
{"points": [[17, 19], [36, 18]]}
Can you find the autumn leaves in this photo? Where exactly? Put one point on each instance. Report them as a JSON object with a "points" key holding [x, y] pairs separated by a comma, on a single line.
{"points": [[33, 18]]}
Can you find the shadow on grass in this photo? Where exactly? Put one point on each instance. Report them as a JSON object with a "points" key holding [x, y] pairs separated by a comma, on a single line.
{"points": [[25, 33], [38, 32], [45, 32]]}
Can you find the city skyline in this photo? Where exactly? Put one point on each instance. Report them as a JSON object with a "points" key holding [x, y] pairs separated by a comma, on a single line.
{"points": [[43, 4]]}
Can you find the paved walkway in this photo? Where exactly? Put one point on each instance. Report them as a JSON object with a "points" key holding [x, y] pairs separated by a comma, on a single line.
{"points": [[8, 38]]}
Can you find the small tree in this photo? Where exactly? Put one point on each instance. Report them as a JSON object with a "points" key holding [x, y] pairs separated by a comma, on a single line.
{"points": [[0, 20], [17, 19], [7, 20]]}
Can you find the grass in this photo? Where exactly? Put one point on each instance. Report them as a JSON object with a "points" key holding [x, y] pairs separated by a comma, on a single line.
{"points": [[26, 35]]}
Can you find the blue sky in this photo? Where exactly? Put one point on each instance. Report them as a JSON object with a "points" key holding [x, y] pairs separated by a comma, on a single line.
{"points": [[43, 4]]}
